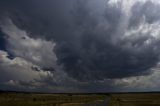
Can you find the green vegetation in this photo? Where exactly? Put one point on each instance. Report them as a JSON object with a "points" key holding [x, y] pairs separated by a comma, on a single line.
{"points": [[22, 99]]}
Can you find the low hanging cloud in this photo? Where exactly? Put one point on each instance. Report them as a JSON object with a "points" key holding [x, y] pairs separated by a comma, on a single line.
{"points": [[140, 83], [91, 42], [18, 69]]}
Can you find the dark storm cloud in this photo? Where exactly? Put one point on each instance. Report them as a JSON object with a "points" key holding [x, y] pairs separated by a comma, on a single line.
{"points": [[3, 44], [88, 43], [2, 41], [149, 10]]}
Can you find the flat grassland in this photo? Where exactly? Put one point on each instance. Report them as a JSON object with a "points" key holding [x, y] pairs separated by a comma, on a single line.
{"points": [[134, 99], [109, 99], [29, 99]]}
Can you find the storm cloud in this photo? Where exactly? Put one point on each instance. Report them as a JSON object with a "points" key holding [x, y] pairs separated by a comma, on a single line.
{"points": [[85, 41]]}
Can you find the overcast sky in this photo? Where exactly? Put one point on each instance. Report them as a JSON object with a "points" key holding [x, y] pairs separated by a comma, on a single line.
{"points": [[80, 45]]}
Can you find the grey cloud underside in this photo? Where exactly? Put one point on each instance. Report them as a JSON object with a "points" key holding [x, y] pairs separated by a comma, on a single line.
{"points": [[90, 43], [148, 9]]}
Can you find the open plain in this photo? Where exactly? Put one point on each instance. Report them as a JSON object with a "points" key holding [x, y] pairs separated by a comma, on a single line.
{"points": [[106, 99]]}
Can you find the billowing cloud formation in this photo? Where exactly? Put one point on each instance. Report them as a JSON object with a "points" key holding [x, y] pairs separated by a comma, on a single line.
{"points": [[85, 41], [30, 64], [34, 50]]}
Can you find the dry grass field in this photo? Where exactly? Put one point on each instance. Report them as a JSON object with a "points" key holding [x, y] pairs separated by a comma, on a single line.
{"points": [[135, 99], [113, 99], [24, 99]]}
